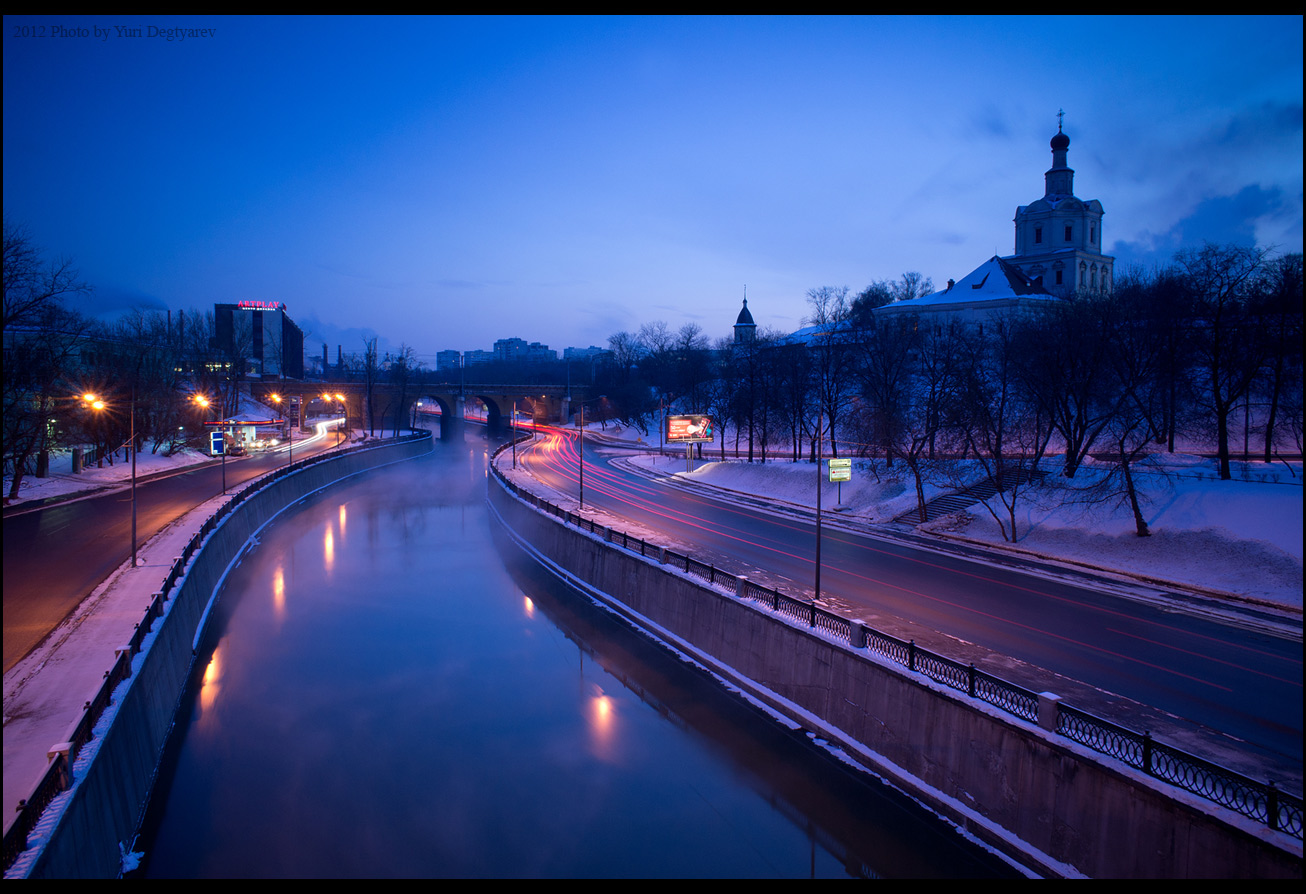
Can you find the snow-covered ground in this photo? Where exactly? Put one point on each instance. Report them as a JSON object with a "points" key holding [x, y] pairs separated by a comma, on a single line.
{"points": [[62, 482], [1240, 537]]}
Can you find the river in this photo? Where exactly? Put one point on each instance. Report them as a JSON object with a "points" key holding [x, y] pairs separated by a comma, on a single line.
{"points": [[385, 692]]}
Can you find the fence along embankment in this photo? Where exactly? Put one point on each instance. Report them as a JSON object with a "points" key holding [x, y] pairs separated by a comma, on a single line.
{"points": [[1017, 768], [99, 783]]}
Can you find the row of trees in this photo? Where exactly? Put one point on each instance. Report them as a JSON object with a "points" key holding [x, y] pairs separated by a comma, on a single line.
{"points": [[1198, 352], [54, 354]]}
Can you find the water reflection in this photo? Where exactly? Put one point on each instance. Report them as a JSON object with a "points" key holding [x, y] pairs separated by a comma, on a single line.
{"points": [[212, 682], [429, 710], [279, 592]]}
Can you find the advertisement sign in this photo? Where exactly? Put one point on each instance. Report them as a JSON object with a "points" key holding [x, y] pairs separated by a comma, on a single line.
{"points": [[841, 470], [216, 444], [689, 429]]}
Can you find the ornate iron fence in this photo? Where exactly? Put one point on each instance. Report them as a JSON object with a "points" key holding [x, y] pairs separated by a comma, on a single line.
{"points": [[1263, 802], [58, 776]]}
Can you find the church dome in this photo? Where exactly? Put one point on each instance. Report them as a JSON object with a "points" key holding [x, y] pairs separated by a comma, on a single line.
{"points": [[1060, 141], [745, 318]]}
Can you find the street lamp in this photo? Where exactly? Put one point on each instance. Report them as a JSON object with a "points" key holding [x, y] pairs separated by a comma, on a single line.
{"points": [[95, 403], [581, 450], [340, 399], [290, 440], [204, 403]]}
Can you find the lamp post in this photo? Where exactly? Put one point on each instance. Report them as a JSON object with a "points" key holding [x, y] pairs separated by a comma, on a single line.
{"points": [[98, 405], [204, 403], [290, 440], [581, 451], [340, 399]]}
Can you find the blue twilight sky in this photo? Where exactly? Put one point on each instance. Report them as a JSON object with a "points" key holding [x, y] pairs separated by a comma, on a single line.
{"points": [[445, 182]]}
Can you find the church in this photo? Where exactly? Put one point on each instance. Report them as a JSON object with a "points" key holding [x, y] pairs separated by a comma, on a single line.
{"points": [[1058, 252], [1059, 237]]}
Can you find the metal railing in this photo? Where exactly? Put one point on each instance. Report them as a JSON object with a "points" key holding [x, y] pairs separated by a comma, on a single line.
{"points": [[1261, 801], [58, 776]]}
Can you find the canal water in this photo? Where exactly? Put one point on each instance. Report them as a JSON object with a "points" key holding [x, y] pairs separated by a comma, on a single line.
{"points": [[387, 692]]}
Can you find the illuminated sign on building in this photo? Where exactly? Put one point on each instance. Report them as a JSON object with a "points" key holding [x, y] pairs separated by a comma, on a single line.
{"points": [[689, 429], [261, 305]]}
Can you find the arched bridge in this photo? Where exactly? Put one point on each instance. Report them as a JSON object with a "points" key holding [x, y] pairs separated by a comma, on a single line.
{"points": [[392, 406]]}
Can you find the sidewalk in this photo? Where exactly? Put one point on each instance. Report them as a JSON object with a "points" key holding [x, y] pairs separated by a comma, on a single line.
{"points": [[45, 692]]}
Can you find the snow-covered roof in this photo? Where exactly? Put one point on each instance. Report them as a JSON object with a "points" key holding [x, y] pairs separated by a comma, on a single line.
{"points": [[994, 279]]}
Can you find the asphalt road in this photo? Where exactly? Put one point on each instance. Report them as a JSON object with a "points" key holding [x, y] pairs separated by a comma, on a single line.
{"points": [[1230, 675], [55, 556]]}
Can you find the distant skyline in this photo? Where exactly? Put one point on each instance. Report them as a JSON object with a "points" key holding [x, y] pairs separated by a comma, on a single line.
{"points": [[448, 182]]}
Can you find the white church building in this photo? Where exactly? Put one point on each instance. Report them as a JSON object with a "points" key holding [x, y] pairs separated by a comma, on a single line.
{"points": [[1058, 253]]}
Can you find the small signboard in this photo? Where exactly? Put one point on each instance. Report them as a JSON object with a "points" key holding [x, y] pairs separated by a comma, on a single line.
{"points": [[217, 445], [689, 429], [841, 470]]}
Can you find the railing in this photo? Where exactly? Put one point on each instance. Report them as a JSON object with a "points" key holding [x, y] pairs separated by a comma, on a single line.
{"points": [[58, 775], [1262, 801]]}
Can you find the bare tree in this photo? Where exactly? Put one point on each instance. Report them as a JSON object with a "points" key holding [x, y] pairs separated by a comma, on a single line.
{"points": [[1062, 357], [41, 340], [1281, 315], [30, 284], [832, 359], [401, 375], [1228, 343], [1001, 424], [371, 374]]}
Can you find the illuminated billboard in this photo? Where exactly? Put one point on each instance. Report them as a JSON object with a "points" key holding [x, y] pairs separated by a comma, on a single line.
{"points": [[689, 429]]}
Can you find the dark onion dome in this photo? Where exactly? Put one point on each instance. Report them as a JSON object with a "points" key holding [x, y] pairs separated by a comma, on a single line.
{"points": [[1060, 141], [745, 318]]}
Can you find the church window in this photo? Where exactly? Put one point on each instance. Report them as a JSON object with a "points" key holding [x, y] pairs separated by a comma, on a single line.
{"points": [[1092, 234], [1067, 232], [1038, 235], [1058, 277]]}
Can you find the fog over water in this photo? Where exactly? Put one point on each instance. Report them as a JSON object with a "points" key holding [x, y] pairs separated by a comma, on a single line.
{"points": [[386, 692]]}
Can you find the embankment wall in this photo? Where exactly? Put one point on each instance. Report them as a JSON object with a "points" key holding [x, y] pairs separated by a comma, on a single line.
{"points": [[107, 803], [1043, 800]]}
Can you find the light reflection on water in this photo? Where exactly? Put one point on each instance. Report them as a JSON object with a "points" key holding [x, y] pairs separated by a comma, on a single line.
{"points": [[419, 714]]}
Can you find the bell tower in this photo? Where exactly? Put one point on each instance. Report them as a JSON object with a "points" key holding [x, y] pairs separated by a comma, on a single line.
{"points": [[1059, 237]]}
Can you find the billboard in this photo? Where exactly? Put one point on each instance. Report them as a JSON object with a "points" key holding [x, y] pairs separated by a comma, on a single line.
{"points": [[689, 429]]}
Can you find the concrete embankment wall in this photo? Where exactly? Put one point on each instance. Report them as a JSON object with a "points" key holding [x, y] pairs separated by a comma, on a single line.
{"points": [[1060, 809], [105, 808]]}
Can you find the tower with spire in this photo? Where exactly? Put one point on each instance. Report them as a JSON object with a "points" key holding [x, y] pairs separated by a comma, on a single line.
{"points": [[1059, 237], [745, 328]]}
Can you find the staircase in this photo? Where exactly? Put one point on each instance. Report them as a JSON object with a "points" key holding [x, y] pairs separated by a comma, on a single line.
{"points": [[967, 497]]}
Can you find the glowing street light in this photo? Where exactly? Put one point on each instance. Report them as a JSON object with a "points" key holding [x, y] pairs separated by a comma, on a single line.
{"points": [[340, 399], [276, 398], [204, 403], [95, 403]]}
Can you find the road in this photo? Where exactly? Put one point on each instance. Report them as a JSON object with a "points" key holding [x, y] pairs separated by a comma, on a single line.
{"points": [[55, 556], [1235, 676]]}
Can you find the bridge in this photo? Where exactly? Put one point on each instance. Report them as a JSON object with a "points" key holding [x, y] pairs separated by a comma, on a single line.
{"points": [[392, 406]]}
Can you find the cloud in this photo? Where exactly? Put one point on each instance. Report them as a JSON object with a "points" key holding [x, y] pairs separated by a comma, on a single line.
{"points": [[109, 303], [1238, 219]]}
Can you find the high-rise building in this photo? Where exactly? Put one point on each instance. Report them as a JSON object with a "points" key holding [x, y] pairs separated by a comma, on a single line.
{"points": [[262, 336]]}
